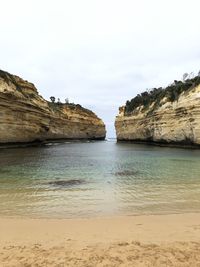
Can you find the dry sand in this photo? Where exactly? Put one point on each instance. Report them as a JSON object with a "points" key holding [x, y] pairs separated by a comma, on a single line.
{"points": [[159, 240]]}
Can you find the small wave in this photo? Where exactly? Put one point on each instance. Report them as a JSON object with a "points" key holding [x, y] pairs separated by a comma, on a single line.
{"points": [[183, 160], [126, 173], [52, 144]]}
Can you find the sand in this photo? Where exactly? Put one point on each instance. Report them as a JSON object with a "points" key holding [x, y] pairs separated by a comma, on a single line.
{"points": [[156, 240]]}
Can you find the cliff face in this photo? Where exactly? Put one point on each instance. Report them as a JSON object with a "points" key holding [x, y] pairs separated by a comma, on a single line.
{"points": [[26, 117], [170, 122]]}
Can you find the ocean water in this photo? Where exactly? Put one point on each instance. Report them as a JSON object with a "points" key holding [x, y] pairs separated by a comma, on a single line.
{"points": [[89, 179]]}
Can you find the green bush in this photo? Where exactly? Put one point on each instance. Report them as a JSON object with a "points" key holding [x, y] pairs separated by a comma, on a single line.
{"points": [[172, 93]]}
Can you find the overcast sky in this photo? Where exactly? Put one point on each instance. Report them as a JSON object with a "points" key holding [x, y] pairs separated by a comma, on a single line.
{"points": [[99, 53]]}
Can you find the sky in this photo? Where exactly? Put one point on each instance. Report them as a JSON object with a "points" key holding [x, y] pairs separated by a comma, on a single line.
{"points": [[99, 53]]}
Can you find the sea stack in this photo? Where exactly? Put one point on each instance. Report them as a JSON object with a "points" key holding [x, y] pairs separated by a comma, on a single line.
{"points": [[169, 116], [26, 117]]}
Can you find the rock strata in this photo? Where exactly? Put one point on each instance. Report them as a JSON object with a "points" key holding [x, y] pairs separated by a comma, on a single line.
{"points": [[25, 116], [167, 120]]}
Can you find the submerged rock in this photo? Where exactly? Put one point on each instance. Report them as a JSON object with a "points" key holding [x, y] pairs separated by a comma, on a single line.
{"points": [[126, 173], [27, 117], [67, 183]]}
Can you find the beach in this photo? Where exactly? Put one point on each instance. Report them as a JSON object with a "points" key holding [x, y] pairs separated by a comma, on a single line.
{"points": [[99, 204], [100, 133], [147, 240]]}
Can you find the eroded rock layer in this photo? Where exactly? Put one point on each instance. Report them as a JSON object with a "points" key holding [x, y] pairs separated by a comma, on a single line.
{"points": [[168, 122], [26, 117]]}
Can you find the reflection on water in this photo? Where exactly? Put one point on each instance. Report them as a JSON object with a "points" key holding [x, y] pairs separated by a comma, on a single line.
{"points": [[81, 179]]}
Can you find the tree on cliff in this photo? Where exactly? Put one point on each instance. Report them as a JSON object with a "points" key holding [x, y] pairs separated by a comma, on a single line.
{"points": [[185, 76], [53, 99]]}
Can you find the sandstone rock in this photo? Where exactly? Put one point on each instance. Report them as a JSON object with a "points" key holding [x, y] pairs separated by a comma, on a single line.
{"points": [[26, 117], [176, 122]]}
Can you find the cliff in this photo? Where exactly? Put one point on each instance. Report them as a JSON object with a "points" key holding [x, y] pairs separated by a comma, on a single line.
{"points": [[27, 117], [168, 116]]}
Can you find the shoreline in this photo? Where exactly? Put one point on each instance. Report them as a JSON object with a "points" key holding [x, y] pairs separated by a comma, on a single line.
{"points": [[144, 240], [43, 143], [182, 145], [95, 229]]}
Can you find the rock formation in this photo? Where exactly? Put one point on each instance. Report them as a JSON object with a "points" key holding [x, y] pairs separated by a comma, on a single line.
{"points": [[168, 116], [27, 117]]}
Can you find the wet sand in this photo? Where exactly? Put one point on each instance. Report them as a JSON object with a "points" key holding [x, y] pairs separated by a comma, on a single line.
{"points": [[154, 240]]}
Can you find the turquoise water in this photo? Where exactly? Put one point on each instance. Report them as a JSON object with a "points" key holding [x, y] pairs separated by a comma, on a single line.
{"points": [[84, 179]]}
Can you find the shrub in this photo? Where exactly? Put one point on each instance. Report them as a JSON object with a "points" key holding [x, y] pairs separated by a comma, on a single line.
{"points": [[172, 93]]}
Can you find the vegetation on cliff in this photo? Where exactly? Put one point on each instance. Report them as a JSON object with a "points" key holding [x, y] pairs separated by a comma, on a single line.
{"points": [[9, 78], [154, 96], [27, 117], [59, 106], [55, 106]]}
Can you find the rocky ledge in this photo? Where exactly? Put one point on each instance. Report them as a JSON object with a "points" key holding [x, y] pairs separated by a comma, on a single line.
{"points": [[27, 117], [169, 116]]}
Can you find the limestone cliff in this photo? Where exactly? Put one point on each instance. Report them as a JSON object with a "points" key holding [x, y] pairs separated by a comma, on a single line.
{"points": [[163, 116], [26, 117]]}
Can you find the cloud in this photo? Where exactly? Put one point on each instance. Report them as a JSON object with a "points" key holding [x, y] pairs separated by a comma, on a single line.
{"points": [[99, 53]]}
